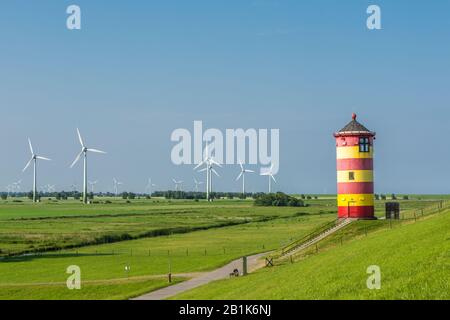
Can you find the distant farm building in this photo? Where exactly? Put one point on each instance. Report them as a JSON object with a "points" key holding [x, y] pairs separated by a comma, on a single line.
{"points": [[354, 146]]}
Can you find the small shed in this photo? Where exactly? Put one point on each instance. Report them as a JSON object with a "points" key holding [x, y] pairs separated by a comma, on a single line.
{"points": [[392, 210]]}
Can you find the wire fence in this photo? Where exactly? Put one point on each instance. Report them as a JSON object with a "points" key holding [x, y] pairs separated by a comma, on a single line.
{"points": [[363, 228]]}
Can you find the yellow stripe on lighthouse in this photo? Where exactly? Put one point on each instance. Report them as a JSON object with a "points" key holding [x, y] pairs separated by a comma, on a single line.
{"points": [[353, 153], [355, 200], [354, 176]]}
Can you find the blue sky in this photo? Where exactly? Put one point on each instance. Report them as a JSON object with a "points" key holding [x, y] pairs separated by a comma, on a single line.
{"points": [[138, 70]]}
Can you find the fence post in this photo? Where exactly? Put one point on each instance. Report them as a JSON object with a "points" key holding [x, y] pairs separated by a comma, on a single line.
{"points": [[317, 248], [244, 265]]}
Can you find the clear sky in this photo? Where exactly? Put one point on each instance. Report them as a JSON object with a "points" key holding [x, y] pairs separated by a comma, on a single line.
{"points": [[137, 70]]}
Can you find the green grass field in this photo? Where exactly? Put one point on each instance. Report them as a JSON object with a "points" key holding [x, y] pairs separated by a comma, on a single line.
{"points": [[20, 276], [414, 259], [183, 236]]}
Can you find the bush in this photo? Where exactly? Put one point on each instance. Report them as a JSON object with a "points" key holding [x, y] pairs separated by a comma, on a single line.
{"points": [[278, 199]]}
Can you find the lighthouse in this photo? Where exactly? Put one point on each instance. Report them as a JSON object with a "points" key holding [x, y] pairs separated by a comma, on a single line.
{"points": [[355, 191]]}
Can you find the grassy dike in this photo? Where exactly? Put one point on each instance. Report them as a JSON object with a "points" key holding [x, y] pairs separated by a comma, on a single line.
{"points": [[414, 259]]}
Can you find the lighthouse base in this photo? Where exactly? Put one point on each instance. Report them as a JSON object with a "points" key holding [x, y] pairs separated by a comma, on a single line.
{"points": [[356, 212]]}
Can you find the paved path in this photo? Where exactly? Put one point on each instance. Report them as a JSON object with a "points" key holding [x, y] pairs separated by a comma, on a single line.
{"points": [[253, 263]]}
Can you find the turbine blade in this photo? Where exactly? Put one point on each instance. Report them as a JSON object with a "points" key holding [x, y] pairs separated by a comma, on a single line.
{"points": [[215, 162], [31, 146], [96, 151], [239, 176], [273, 178], [76, 159], [204, 169], [265, 174], [199, 165], [28, 164], [79, 138], [43, 158], [240, 163], [251, 171], [215, 172]]}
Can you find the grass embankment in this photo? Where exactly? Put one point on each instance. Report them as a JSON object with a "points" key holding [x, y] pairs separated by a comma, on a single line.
{"points": [[414, 259]]}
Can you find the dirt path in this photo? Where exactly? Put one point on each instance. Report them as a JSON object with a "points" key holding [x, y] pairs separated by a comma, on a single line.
{"points": [[253, 263]]}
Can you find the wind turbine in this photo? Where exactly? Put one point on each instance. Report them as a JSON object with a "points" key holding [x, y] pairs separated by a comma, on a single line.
{"points": [[178, 185], [16, 186], [150, 186], [34, 158], [92, 184], [242, 174], [197, 183], [83, 152], [269, 173], [116, 186], [209, 162]]}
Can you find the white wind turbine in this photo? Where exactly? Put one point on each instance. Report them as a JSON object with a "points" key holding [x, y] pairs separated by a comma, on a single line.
{"points": [[150, 186], [92, 184], [17, 186], [269, 173], [34, 158], [197, 183], [83, 152], [242, 174], [178, 185], [116, 186], [209, 162]]}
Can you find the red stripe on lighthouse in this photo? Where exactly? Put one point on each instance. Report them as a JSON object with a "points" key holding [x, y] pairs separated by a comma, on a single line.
{"points": [[355, 164], [356, 212], [355, 187]]}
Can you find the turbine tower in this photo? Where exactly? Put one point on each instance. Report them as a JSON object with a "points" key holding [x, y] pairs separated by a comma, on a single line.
{"points": [[197, 183], [116, 186], [150, 186], [269, 173], [209, 162], [242, 174], [84, 151], [34, 158], [92, 184], [178, 185]]}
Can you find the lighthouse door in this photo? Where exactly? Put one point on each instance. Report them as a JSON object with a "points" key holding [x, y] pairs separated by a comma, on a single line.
{"points": [[351, 209]]}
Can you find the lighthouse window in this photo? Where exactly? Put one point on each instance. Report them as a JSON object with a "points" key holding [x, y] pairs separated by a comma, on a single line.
{"points": [[364, 145], [351, 176]]}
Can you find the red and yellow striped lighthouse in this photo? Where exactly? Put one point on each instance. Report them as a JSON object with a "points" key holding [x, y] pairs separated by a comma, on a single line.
{"points": [[355, 194]]}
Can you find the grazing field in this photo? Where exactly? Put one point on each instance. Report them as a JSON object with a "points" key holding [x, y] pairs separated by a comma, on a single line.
{"points": [[153, 237], [20, 276], [414, 259], [25, 227]]}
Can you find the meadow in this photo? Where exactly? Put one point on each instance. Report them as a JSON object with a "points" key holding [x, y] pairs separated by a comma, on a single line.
{"points": [[181, 237]]}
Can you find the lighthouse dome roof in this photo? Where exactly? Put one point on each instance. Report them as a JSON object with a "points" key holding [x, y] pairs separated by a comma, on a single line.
{"points": [[354, 127]]}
